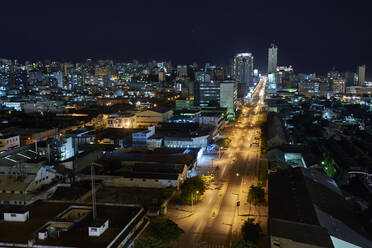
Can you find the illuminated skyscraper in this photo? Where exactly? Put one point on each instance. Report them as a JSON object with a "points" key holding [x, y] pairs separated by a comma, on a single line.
{"points": [[243, 73], [272, 59], [243, 68]]}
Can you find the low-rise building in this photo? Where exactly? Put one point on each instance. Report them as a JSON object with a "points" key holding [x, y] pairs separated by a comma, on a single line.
{"points": [[153, 117], [359, 90], [313, 88], [114, 170], [121, 121], [8, 142], [62, 224], [17, 106], [141, 137], [210, 119], [21, 175], [177, 135]]}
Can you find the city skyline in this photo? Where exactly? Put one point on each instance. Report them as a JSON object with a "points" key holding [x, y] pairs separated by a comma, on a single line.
{"points": [[124, 31], [155, 124]]}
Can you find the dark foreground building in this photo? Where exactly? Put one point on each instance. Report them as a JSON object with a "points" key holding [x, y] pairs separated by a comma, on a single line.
{"points": [[307, 209], [63, 224]]}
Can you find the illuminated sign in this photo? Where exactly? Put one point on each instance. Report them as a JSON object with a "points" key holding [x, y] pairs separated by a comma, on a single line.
{"points": [[243, 55]]}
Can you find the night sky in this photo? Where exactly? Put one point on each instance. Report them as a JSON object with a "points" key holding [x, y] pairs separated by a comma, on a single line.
{"points": [[311, 35]]}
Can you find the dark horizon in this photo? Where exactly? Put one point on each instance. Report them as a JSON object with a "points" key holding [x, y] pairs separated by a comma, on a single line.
{"points": [[313, 36]]}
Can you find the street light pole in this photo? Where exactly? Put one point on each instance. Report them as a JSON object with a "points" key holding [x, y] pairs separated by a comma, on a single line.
{"points": [[237, 202], [238, 206], [192, 201]]}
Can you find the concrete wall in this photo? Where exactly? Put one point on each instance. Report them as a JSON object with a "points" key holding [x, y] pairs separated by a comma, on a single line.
{"points": [[195, 142], [43, 177], [117, 181]]}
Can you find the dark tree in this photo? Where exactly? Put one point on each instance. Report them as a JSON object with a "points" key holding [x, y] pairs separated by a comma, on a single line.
{"points": [[256, 195], [192, 189], [251, 231], [243, 244], [148, 241]]}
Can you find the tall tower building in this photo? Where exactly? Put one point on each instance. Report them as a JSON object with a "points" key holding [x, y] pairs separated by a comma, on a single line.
{"points": [[243, 68], [206, 91], [350, 78], [12, 81], [272, 59], [361, 74], [243, 73]]}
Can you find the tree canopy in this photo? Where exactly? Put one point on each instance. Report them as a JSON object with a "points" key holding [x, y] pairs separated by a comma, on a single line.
{"points": [[165, 229], [251, 231], [159, 233], [243, 244], [148, 241], [256, 195], [224, 142], [193, 187], [332, 169]]}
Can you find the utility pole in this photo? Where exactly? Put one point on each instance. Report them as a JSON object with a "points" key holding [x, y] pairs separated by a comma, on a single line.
{"points": [[93, 194], [36, 147], [49, 153]]}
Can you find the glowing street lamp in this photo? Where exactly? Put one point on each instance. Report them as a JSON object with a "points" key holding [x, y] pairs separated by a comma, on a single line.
{"points": [[192, 199]]}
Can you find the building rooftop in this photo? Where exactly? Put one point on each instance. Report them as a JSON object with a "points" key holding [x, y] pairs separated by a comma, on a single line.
{"points": [[211, 114], [181, 130], [15, 182], [25, 156], [301, 233], [146, 197], [151, 170], [164, 156], [67, 224], [7, 135], [116, 133], [309, 197], [160, 109]]}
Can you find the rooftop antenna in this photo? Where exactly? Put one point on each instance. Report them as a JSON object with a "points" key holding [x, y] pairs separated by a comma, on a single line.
{"points": [[93, 194]]}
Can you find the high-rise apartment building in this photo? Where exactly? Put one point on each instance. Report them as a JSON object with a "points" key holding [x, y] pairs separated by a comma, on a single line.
{"points": [[216, 94], [59, 77], [338, 86], [272, 59], [285, 77], [228, 94], [207, 93], [351, 78], [361, 74], [182, 70]]}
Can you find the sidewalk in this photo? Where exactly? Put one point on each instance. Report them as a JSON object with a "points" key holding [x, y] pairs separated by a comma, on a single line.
{"points": [[249, 211], [177, 212]]}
